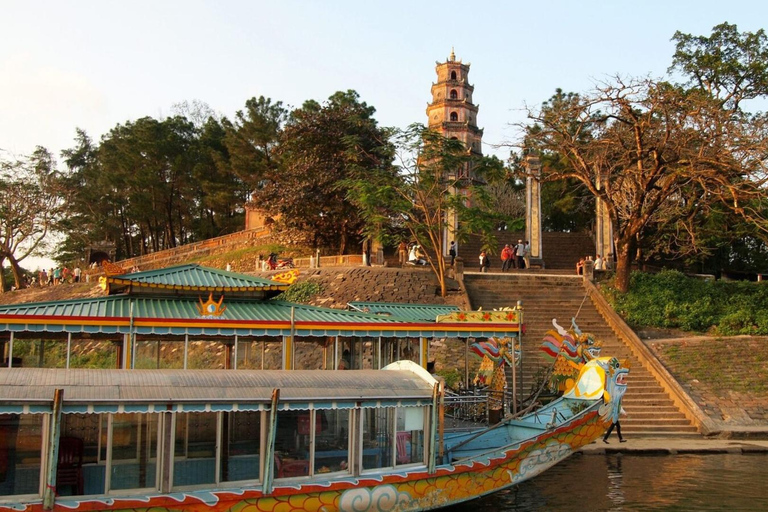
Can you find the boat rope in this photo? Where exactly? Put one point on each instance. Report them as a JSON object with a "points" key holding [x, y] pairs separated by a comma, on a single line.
{"points": [[581, 305]]}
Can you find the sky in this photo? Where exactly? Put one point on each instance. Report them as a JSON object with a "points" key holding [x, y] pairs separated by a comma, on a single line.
{"points": [[95, 64]]}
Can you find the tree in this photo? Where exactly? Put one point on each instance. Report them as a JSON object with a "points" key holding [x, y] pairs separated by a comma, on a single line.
{"points": [[654, 149], [30, 206], [321, 147], [427, 187], [252, 140], [659, 155]]}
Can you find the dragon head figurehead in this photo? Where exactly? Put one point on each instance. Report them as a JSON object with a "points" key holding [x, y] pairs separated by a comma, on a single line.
{"points": [[602, 377], [569, 351]]}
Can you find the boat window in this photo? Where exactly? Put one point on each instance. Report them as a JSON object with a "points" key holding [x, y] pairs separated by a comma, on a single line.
{"points": [[20, 453], [241, 447], [207, 355], [82, 454], [378, 438], [332, 442], [259, 354], [134, 451], [309, 353], [156, 353], [194, 460], [409, 440], [292, 442], [39, 353]]}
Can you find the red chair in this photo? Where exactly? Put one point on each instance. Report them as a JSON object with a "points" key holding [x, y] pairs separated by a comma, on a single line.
{"points": [[69, 470], [287, 468], [403, 440]]}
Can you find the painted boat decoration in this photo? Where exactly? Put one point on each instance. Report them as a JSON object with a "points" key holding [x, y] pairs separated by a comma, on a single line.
{"points": [[273, 440]]}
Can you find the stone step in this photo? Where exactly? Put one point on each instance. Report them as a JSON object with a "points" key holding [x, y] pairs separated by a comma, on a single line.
{"points": [[545, 297]]}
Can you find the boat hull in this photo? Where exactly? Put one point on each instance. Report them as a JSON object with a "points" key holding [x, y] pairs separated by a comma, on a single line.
{"points": [[403, 490]]}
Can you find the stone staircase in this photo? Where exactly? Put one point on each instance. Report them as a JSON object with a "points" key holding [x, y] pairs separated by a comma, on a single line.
{"points": [[560, 250], [546, 295]]}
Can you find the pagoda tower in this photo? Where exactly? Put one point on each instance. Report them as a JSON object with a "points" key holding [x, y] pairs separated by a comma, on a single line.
{"points": [[452, 112]]}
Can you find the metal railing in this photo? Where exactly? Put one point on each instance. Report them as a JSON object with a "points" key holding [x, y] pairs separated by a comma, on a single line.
{"points": [[467, 408]]}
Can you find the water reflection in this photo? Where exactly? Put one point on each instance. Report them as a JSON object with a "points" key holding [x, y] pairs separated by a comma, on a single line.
{"points": [[620, 482]]}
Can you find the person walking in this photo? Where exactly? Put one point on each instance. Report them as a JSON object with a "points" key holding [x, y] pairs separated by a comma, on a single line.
{"points": [[616, 423], [452, 252]]}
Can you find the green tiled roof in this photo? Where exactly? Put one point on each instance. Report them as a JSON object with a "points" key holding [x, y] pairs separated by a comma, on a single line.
{"points": [[408, 312], [194, 279], [121, 314]]}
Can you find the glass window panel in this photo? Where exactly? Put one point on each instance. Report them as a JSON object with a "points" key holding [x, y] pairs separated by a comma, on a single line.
{"points": [[88, 353], [206, 355], [332, 441], [134, 461], [378, 438], [87, 428], [36, 353], [152, 353], [198, 464], [240, 455], [409, 441], [259, 354], [308, 353], [21, 438], [292, 444]]}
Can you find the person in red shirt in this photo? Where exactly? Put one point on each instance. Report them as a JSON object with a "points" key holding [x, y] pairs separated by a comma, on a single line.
{"points": [[507, 257]]}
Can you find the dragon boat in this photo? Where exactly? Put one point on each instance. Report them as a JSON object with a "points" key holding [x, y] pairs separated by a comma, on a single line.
{"points": [[274, 440]]}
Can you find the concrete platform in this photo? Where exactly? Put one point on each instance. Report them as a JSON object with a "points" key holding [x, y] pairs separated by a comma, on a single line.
{"points": [[675, 446]]}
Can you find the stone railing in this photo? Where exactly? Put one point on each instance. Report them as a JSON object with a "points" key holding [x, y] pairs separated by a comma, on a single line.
{"points": [[679, 396]]}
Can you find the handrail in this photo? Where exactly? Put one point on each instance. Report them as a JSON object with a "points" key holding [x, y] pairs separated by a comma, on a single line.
{"points": [[679, 396]]}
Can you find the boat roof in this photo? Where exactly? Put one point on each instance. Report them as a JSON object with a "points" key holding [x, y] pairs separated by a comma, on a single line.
{"points": [[123, 314], [193, 279], [31, 390], [199, 301], [411, 312]]}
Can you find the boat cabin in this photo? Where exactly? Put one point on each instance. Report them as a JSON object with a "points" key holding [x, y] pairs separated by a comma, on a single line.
{"points": [[146, 431]]}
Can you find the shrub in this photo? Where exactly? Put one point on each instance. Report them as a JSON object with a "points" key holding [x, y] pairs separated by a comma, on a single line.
{"points": [[301, 292], [670, 299]]}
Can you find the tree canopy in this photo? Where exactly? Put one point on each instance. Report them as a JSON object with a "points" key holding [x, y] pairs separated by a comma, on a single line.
{"points": [[418, 197], [31, 204], [659, 154]]}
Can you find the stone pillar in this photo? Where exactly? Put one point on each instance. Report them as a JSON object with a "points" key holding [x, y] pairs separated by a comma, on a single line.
{"points": [[533, 210], [603, 229]]}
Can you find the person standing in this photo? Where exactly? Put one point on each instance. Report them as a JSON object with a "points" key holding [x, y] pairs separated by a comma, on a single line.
{"points": [[527, 254], [367, 251], [520, 253], [599, 263], [507, 258], [484, 261], [402, 253], [452, 252], [76, 272]]}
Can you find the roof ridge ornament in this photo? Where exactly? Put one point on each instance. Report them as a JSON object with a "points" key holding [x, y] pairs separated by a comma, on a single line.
{"points": [[452, 58]]}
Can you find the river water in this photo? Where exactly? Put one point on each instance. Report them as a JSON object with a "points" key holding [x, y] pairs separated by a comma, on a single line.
{"points": [[625, 482]]}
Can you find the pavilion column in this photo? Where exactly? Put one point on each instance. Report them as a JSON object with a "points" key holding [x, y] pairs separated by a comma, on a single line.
{"points": [[533, 210], [603, 227], [424, 352]]}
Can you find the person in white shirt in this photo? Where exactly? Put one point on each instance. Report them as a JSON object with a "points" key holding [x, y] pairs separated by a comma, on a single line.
{"points": [[520, 254], [599, 263]]}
